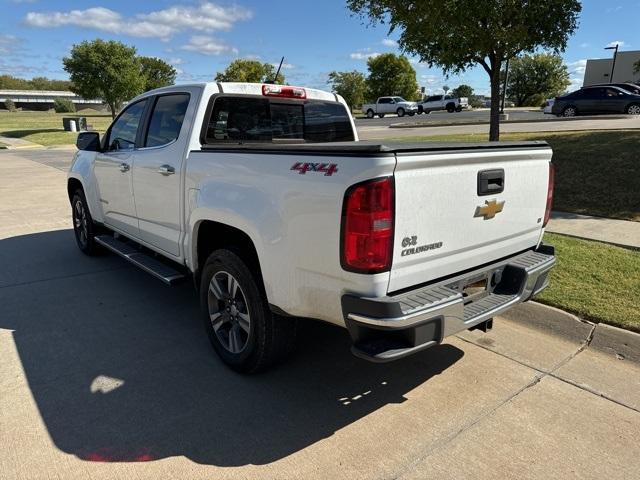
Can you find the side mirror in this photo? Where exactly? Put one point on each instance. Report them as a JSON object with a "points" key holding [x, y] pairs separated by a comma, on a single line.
{"points": [[89, 141]]}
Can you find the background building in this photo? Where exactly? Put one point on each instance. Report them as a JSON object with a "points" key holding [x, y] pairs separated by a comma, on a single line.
{"points": [[43, 100], [599, 70]]}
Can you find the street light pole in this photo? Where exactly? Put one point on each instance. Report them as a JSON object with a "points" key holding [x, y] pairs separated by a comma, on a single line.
{"points": [[504, 88], [613, 65]]}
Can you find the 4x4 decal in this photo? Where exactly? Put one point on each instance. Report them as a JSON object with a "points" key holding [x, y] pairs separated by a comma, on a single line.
{"points": [[327, 168]]}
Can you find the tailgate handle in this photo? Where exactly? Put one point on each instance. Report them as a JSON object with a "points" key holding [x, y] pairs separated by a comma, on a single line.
{"points": [[490, 182]]}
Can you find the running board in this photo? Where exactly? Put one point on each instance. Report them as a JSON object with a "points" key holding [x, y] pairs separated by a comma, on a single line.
{"points": [[163, 272]]}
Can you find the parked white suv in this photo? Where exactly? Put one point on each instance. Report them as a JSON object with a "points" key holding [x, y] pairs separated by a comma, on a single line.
{"points": [[443, 102], [265, 197], [385, 105]]}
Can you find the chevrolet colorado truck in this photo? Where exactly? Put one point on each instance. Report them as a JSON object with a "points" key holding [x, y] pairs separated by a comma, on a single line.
{"points": [[384, 105], [263, 195]]}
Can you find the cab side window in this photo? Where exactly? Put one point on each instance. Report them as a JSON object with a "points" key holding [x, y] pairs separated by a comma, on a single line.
{"points": [[166, 119], [123, 132]]}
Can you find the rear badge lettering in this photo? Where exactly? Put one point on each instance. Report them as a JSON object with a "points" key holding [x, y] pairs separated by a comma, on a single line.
{"points": [[327, 168], [407, 241]]}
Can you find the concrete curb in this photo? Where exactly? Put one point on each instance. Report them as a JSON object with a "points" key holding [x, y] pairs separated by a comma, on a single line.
{"points": [[535, 120], [624, 344], [551, 320]]}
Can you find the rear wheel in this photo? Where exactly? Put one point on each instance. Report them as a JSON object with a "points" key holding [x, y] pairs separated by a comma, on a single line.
{"points": [[634, 109], [458, 109], [411, 114], [83, 226], [570, 111], [237, 318], [370, 113], [381, 115], [451, 108]]}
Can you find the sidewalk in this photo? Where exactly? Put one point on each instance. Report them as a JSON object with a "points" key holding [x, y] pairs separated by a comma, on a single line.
{"points": [[617, 232], [12, 143]]}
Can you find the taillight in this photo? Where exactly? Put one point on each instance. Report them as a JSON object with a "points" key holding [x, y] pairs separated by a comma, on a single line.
{"points": [[367, 226], [284, 91], [550, 187]]}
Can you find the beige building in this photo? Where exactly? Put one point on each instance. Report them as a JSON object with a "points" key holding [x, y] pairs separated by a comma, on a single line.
{"points": [[599, 70]]}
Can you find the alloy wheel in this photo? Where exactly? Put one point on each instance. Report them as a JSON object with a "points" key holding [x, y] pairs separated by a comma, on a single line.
{"points": [[229, 312], [80, 222]]}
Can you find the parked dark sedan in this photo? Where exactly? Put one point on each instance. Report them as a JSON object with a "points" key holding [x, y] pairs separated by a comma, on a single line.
{"points": [[629, 87], [596, 100]]}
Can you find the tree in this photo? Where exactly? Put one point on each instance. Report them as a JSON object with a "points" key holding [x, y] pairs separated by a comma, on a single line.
{"points": [[350, 85], [63, 105], [390, 74], [251, 71], [457, 35], [37, 83], [157, 73], [462, 91], [107, 70], [636, 67], [532, 78]]}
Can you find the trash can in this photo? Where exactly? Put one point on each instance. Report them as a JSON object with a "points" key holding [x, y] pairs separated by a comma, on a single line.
{"points": [[81, 123]]}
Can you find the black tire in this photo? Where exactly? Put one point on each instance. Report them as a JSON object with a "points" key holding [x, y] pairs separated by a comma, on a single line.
{"points": [[269, 339], [569, 111], [400, 112], [633, 109], [451, 108], [84, 228], [381, 115], [411, 114], [420, 109], [458, 109], [370, 113]]}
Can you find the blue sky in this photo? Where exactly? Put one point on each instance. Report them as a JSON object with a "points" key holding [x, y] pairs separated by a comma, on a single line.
{"points": [[201, 38]]}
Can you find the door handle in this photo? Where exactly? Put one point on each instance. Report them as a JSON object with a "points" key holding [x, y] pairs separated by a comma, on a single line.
{"points": [[124, 167], [166, 170]]}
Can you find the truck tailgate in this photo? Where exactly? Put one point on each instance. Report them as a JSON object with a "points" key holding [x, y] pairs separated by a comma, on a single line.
{"points": [[449, 220]]}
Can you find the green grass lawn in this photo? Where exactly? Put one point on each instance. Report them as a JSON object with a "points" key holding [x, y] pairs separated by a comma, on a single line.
{"points": [[597, 172], [45, 128], [596, 281]]}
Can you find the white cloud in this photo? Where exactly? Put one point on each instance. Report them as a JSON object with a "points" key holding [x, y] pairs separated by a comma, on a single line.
{"points": [[207, 17], [388, 42], [10, 44], [285, 66], [620, 44], [176, 61], [577, 67], [585, 45], [363, 55], [206, 45]]}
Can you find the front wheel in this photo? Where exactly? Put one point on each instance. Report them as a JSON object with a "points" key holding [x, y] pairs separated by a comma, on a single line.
{"points": [[83, 226], [400, 112], [633, 109], [569, 111], [458, 109], [237, 318]]}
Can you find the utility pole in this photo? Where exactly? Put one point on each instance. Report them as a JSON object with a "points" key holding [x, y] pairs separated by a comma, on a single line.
{"points": [[613, 65]]}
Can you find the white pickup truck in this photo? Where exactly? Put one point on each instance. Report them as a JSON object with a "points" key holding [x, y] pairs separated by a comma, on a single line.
{"points": [[443, 102], [263, 195], [385, 105]]}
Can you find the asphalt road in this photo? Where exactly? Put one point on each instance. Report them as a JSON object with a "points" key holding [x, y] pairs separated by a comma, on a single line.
{"points": [[445, 117], [107, 373]]}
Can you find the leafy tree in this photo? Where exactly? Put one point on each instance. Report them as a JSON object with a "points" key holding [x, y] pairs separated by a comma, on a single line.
{"points": [[350, 85], [390, 74], [109, 70], [532, 78], [252, 71], [157, 73], [63, 105], [38, 83], [10, 105], [457, 35], [636, 67], [462, 91]]}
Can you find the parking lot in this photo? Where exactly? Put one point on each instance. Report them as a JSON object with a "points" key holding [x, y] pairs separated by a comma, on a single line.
{"points": [[481, 115], [107, 373]]}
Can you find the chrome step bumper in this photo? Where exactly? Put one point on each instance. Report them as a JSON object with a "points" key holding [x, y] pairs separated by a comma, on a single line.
{"points": [[392, 327]]}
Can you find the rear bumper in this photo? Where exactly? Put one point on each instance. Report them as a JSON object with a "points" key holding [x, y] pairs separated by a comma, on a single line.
{"points": [[392, 327]]}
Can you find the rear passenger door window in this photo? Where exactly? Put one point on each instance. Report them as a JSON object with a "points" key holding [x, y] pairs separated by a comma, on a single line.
{"points": [[166, 120]]}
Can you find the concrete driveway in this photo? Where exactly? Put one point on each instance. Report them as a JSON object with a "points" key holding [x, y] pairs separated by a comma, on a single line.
{"points": [[107, 373]]}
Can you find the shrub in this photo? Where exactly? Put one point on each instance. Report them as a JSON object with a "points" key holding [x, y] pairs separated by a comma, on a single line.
{"points": [[10, 105], [63, 105]]}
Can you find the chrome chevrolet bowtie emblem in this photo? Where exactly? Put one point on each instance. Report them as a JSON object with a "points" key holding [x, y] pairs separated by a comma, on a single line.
{"points": [[489, 209]]}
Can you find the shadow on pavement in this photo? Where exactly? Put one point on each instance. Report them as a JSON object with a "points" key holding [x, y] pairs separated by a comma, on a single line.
{"points": [[121, 370]]}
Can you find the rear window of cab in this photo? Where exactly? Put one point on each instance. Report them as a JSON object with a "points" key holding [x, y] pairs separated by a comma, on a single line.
{"points": [[247, 119]]}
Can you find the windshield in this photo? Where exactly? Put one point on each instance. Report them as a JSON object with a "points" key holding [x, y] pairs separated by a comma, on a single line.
{"points": [[399, 99]]}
